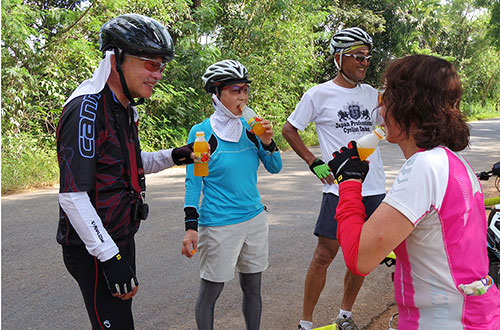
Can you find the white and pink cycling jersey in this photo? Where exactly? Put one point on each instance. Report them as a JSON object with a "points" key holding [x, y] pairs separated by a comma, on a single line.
{"points": [[439, 193]]}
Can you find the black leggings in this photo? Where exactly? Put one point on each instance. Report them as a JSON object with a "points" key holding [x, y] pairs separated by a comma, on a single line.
{"points": [[251, 305], [105, 311]]}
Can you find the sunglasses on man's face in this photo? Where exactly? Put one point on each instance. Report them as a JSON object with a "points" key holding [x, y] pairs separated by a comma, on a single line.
{"points": [[235, 89], [150, 64], [360, 58]]}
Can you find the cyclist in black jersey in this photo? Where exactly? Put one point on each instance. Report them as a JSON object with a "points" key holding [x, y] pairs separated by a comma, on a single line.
{"points": [[102, 167]]}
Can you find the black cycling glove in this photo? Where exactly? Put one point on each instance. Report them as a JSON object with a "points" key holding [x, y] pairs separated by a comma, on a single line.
{"points": [[347, 165], [320, 169], [182, 155], [119, 275]]}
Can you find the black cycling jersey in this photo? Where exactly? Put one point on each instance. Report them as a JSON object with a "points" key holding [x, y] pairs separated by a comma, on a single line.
{"points": [[91, 159]]}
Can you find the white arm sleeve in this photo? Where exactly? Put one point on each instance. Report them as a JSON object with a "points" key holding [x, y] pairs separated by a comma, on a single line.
{"points": [[156, 161], [88, 225]]}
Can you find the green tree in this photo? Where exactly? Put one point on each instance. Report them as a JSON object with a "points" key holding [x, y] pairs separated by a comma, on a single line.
{"points": [[51, 46]]}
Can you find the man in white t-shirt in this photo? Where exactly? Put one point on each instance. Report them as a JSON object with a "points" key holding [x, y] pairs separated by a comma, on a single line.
{"points": [[342, 109]]}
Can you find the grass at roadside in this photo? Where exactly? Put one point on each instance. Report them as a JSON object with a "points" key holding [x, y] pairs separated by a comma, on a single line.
{"points": [[27, 164], [477, 111]]}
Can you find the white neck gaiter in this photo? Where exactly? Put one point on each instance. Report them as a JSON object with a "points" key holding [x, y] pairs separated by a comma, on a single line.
{"points": [[96, 84], [225, 124]]}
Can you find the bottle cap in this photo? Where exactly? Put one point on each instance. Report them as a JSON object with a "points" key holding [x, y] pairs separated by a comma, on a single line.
{"points": [[198, 133], [379, 132]]}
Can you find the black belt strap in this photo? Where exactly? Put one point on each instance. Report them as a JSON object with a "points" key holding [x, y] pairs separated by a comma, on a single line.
{"points": [[122, 122]]}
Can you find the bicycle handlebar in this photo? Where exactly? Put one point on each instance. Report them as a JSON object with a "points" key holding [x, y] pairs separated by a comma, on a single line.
{"points": [[485, 175]]}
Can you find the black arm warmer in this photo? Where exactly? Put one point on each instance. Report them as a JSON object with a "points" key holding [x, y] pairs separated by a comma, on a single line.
{"points": [[191, 218], [271, 147]]}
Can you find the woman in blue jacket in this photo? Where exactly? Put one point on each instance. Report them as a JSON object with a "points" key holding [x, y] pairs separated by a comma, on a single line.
{"points": [[230, 228]]}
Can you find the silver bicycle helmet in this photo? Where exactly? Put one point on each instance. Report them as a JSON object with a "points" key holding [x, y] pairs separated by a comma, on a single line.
{"points": [[224, 73], [343, 41], [348, 38]]}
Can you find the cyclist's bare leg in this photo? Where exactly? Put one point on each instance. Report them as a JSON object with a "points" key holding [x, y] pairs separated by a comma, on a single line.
{"points": [[325, 252], [352, 285]]}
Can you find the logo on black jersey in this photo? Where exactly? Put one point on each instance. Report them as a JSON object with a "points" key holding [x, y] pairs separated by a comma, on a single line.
{"points": [[354, 118], [86, 127]]}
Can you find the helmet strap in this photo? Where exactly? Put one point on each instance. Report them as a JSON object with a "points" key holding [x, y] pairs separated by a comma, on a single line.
{"points": [[344, 75], [217, 91], [120, 55]]}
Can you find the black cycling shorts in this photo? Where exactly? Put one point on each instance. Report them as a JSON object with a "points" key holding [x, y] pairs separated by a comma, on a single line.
{"points": [[105, 311], [326, 225]]}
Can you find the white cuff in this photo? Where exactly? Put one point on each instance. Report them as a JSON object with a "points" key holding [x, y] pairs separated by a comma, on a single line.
{"points": [[156, 161]]}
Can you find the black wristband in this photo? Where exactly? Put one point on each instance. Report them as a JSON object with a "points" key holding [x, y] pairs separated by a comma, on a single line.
{"points": [[191, 218], [271, 147]]}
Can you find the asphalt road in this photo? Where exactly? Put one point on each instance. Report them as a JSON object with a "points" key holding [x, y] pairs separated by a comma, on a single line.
{"points": [[38, 293]]}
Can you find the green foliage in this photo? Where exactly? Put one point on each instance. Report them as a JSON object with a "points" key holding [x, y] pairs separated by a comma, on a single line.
{"points": [[494, 24], [276, 42], [50, 47]]}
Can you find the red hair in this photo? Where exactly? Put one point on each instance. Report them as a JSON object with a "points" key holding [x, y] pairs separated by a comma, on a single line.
{"points": [[423, 93]]}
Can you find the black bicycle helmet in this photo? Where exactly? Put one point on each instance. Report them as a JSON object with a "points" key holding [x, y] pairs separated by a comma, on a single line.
{"points": [[137, 34], [224, 73], [348, 38]]}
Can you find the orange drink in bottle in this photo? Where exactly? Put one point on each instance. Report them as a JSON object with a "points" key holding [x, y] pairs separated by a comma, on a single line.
{"points": [[366, 144], [252, 120], [200, 149]]}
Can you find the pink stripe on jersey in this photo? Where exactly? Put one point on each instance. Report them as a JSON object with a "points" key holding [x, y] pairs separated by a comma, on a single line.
{"points": [[404, 290], [463, 220]]}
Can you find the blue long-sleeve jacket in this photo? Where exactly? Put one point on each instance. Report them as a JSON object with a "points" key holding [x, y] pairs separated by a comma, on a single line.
{"points": [[230, 192]]}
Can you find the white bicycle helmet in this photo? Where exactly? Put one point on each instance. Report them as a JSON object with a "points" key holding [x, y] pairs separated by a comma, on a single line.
{"points": [[343, 41], [224, 73], [348, 38]]}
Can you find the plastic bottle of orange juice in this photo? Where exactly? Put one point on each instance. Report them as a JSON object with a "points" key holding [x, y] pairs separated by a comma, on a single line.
{"points": [[252, 120], [366, 144], [200, 149]]}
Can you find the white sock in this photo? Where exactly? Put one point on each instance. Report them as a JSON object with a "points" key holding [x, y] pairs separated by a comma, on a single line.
{"points": [[344, 314], [307, 325]]}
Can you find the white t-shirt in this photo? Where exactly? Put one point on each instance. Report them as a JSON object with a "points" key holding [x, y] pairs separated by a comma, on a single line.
{"points": [[341, 115]]}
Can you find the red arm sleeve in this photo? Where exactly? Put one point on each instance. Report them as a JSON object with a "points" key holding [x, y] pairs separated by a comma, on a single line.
{"points": [[350, 217]]}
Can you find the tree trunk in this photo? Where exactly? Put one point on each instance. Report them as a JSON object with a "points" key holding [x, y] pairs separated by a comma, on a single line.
{"points": [[485, 95]]}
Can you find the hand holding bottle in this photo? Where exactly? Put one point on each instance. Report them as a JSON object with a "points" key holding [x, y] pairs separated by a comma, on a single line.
{"points": [[346, 164], [260, 127], [268, 134]]}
